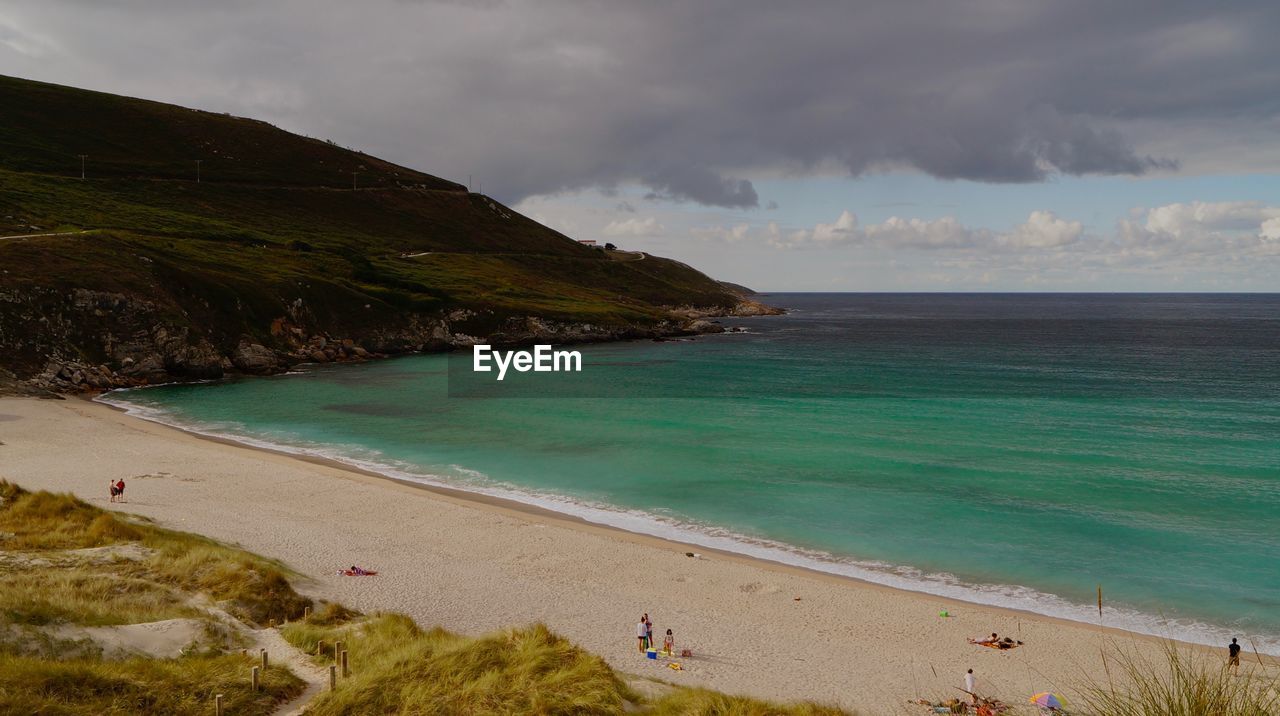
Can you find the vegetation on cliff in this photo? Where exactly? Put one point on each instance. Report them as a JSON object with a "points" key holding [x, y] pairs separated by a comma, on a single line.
{"points": [[153, 275]]}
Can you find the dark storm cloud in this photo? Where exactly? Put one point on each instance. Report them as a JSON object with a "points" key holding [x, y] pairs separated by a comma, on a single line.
{"points": [[692, 99]]}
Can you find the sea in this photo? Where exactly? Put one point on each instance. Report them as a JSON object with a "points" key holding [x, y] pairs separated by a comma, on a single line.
{"points": [[1018, 450]]}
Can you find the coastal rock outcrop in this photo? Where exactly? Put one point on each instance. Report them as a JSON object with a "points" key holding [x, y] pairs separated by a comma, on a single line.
{"points": [[255, 358], [90, 341]]}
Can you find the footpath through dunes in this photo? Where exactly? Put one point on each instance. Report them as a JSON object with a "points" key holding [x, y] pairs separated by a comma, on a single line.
{"points": [[222, 245], [479, 567]]}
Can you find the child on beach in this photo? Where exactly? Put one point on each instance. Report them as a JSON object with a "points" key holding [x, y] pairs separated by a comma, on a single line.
{"points": [[642, 633], [669, 643]]}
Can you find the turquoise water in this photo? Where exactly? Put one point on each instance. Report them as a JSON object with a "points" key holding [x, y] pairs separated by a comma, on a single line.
{"points": [[1010, 449]]}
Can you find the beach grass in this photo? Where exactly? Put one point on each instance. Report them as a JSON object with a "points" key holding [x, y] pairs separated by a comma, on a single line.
{"points": [[85, 595], [77, 588], [704, 702], [65, 564], [1180, 682], [399, 668], [139, 686]]}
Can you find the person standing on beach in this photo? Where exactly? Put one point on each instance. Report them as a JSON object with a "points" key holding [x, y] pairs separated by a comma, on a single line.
{"points": [[648, 633], [642, 633], [120, 490], [1233, 657], [115, 491], [971, 685]]}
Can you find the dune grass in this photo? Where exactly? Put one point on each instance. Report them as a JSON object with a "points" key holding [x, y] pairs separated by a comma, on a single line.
{"points": [[89, 596], [46, 521], [1181, 682], [399, 668], [50, 576], [84, 687], [704, 702], [251, 588]]}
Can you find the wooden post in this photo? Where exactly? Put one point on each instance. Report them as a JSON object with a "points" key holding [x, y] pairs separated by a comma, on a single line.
{"points": [[254, 679], [271, 624], [264, 659], [337, 651], [306, 613], [345, 670], [333, 677], [217, 705], [319, 646]]}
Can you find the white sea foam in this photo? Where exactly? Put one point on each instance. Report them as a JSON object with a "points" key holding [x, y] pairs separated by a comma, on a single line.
{"points": [[898, 576]]}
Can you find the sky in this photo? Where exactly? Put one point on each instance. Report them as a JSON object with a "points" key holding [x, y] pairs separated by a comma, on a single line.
{"points": [[988, 145]]}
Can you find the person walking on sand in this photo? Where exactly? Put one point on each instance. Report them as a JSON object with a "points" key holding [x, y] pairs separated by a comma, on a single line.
{"points": [[115, 492], [1233, 657], [971, 685], [120, 490], [642, 632]]}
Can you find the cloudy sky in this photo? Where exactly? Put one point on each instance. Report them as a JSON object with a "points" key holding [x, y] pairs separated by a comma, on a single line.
{"points": [[963, 145]]}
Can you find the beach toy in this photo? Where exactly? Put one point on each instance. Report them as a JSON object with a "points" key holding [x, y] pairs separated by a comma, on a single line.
{"points": [[675, 666], [944, 613], [651, 654]]}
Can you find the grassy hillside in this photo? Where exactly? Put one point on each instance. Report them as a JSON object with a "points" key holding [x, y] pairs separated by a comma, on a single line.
{"points": [[44, 128], [274, 248]]}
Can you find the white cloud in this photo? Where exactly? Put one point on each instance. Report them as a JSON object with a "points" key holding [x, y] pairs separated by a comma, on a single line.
{"points": [[1044, 230], [1270, 229], [1207, 217], [843, 229], [648, 226], [732, 234], [920, 233]]}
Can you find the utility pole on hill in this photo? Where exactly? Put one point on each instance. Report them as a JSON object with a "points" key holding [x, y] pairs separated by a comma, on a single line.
{"points": [[198, 170], [82, 158], [353, 178]]}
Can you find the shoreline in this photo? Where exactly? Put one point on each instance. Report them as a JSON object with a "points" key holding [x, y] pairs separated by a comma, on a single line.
{"points": [[475, 564], [510, 505]]}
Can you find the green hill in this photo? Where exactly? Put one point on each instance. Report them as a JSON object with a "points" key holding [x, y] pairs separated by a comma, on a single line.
{"points": [[272, 257]]}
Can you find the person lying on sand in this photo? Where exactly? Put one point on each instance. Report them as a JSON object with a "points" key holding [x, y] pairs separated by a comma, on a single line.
{"points": [[355, 571], [995, 642]]}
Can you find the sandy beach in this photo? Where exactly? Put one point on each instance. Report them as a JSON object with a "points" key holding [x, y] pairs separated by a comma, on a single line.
{"points": [[474, 565]]}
